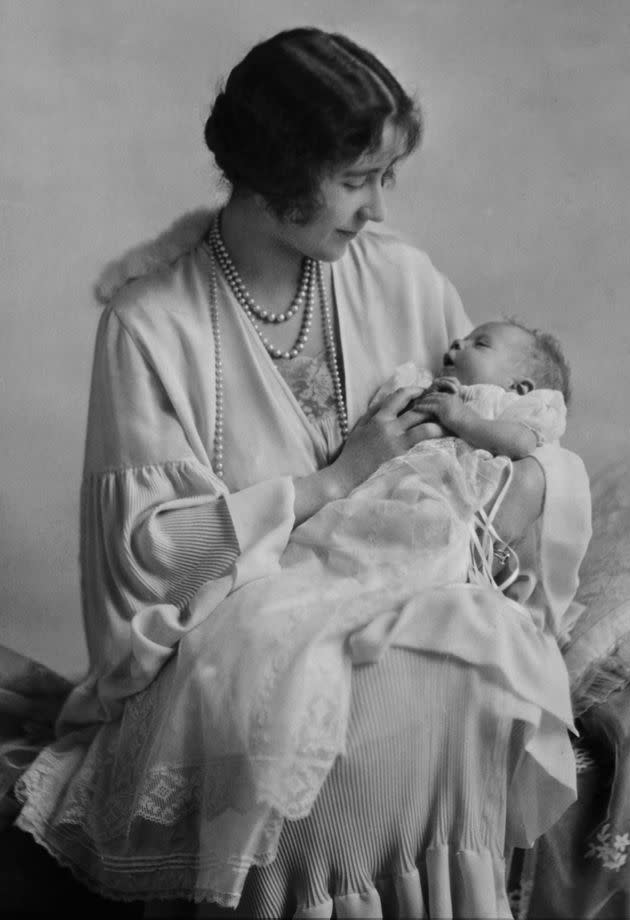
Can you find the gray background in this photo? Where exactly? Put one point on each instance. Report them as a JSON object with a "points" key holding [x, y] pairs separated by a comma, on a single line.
{"points": [[521, 195]]}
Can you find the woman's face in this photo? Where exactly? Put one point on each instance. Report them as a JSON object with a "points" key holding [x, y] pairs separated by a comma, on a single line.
{"points": [[350, 197]]}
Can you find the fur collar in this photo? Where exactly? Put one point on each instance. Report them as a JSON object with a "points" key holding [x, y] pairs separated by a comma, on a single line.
{"points": [[145, 258]]}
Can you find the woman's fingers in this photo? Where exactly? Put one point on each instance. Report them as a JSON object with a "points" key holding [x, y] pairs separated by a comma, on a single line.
{"points": [[431, 404], [414, 417], [383, 432], [395, 404], [426, 432]]}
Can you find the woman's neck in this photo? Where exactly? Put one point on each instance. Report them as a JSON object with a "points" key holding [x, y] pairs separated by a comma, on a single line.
{"points": [[269, 267]]}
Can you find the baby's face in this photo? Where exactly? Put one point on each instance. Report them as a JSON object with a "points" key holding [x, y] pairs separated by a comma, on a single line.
{"points": [[491, 353]]}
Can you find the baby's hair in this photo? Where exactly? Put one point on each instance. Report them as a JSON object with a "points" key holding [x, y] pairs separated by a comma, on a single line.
{"points": [[546, 362]]}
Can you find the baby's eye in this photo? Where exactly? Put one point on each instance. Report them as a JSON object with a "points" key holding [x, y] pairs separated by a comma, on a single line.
{"points": [[480, 343]]}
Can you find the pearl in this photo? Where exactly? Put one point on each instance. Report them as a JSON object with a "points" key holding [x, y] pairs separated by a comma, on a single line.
{"points": [[312, 274], [240, 291], [252, 310], [331, 354]]}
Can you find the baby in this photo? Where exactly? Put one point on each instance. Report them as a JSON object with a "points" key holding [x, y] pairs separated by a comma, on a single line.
{"points": [[504, 388]]}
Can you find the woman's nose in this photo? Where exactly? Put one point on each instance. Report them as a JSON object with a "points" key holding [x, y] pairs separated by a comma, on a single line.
{"points": [[374, 209]]}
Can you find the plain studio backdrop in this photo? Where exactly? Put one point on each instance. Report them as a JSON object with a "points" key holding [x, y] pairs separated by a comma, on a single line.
{"points": [[520, 194]]}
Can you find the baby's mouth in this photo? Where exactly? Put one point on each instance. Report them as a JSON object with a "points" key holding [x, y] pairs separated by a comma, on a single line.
{"points": [[447, 361]]}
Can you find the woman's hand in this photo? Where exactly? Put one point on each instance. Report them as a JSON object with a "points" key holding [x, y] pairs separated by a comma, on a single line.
{"points": [[385, 431], [438, 401], [444, 406]]}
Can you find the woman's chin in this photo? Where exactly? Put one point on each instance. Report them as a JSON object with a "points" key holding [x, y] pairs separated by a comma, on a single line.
{"points": [[334, 248]]}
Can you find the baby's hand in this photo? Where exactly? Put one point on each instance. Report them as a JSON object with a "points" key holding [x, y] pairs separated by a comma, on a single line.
{"points": [[446, 385], [446, 406]]}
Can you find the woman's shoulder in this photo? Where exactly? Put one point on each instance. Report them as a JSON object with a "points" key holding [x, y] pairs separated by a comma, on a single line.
{"points": [[156, 273], [384, 246], [385, 262]]}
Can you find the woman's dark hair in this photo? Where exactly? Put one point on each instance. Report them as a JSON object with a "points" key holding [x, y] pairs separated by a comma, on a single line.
{"points": [[299, 104]]}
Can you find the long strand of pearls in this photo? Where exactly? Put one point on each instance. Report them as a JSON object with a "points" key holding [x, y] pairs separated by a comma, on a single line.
{"points": [[217, 460], [331, 354], [316, 272]]}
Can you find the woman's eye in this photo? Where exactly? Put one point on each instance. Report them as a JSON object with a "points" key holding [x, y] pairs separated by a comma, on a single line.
{"points": [[355, 183]]}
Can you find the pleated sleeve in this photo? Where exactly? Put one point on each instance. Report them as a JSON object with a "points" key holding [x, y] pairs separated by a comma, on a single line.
{"points": [[162, 539], [552, 551], [565, 532]]}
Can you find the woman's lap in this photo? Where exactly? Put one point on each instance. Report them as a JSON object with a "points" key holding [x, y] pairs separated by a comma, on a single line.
{"points": [[425, 769], [418, 798]]}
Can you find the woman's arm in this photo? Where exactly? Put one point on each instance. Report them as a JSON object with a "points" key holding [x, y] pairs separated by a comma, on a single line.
{"points": [[162, 538], [523, 502]]}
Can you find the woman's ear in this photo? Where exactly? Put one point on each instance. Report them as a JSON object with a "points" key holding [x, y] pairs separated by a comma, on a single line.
{"points": [[523, 386]]}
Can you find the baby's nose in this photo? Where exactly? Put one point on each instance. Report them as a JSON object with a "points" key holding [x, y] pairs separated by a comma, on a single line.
{"points": [[456, 345]]}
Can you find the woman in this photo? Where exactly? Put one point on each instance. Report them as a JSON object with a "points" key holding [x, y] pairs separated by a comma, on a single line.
{"points": [[228, 405]]}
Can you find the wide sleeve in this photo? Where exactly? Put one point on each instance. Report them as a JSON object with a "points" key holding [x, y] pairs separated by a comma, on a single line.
{"points": [[162, 539], [553, 551]]}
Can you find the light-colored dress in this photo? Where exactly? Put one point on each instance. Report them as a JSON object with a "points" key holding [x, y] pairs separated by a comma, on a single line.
{"points": [[150, 790], [358, 573]]}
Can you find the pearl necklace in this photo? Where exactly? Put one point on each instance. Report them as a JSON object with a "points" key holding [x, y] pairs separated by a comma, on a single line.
{"points": [[331, 354], [240, 291], [217, 460], [331, 358], [306, 290]]}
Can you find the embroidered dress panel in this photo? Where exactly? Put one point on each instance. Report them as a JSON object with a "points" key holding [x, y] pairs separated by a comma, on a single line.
{"points": [[310, 382]]}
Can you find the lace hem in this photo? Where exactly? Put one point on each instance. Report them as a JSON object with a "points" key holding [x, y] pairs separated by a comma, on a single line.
{"points": [[171, 879], [450, 871]]}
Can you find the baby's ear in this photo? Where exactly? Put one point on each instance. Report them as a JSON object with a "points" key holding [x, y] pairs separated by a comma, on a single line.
{"points": [[523, 386]]}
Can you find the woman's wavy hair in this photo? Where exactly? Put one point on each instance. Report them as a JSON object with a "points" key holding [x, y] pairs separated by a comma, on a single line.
{"points": [[301, 104]]}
